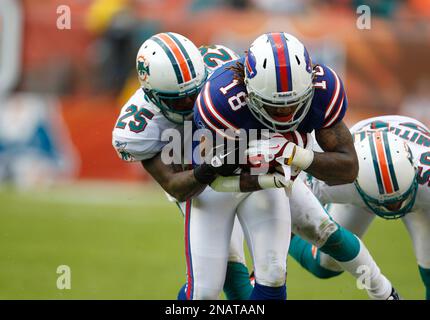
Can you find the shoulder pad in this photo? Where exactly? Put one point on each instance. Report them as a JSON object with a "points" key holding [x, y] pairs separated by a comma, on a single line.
{"points": [[137, 132]]}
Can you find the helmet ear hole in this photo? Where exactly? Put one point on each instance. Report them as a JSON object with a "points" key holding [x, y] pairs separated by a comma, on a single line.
{"points": [[298, 60], [264, 63]]}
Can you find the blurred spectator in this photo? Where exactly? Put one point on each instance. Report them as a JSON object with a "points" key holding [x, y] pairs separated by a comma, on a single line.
{"points": [[120, 34], [282, 6], [420, 8], [417, 103], [197, 5], [382, 8]]}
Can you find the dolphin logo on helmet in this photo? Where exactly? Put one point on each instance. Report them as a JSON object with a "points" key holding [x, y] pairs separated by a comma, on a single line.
{"points": [[142, 68]]}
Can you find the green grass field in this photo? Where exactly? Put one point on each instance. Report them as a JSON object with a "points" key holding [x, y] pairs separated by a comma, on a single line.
{"points": [[125, 242]]}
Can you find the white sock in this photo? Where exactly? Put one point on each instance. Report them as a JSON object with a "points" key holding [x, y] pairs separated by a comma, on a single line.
{"points": [[367, 272]]}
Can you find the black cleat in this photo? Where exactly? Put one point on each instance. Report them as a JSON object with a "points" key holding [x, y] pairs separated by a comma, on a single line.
{"points": [[394, 295]]}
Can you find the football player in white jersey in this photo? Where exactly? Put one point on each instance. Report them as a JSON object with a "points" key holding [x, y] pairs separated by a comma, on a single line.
{"points": [[171, 71], [393, 182]]}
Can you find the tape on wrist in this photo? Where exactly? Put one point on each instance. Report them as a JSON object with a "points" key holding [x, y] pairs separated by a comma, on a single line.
{"points": [[267, 181], [226, 184], [302, 158]]}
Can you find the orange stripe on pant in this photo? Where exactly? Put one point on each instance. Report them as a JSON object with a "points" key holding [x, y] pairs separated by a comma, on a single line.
{"points": [[183, 65]]}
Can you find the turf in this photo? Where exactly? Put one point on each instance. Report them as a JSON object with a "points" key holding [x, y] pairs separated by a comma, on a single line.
{"points": [[125, 241]]}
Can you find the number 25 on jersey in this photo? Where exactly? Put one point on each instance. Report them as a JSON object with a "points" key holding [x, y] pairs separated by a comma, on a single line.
{"points": [[140, 117]]}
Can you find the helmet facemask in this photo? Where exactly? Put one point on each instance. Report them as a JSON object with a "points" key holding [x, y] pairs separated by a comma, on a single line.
{"points": [[299, 107], [381, 206], [390, 195], [176, 107]]}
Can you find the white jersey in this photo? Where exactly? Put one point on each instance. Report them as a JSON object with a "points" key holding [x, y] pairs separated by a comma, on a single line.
{"points": [[416, 134], [138, 130]]}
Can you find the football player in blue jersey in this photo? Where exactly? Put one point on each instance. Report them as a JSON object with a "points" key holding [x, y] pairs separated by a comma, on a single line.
{"points": [[277, 87]]}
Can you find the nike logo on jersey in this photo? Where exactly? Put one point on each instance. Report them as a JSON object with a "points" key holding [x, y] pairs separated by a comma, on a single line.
{"points": [[217, 161]]}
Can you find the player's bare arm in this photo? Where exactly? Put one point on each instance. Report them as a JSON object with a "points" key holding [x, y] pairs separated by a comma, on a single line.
{"points": [[248, 182], [181, 185], [184, 184], [339, 163]]}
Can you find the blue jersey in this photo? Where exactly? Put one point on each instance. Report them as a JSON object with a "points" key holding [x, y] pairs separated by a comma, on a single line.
{"points": [[221, 103]]}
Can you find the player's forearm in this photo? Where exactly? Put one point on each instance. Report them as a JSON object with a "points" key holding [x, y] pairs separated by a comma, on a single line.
{"points": [[237, 183], [180, 184], [183, 185], [338, 164], [246, 182], [334, 167], [249, 183]]}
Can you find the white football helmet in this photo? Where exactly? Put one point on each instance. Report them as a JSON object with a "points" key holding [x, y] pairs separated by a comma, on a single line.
{"points": [[278, 77], [387, 177], [171, 72]]}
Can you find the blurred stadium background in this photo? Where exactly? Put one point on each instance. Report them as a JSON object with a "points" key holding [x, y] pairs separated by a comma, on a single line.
{"points": [[65, 197]]}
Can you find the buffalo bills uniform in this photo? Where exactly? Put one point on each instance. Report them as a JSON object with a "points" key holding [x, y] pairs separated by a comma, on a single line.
{"points": [[222, 105]]}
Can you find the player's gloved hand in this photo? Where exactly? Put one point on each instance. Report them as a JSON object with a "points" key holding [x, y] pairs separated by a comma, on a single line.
{"points": [[222, 162], [277, 148]]}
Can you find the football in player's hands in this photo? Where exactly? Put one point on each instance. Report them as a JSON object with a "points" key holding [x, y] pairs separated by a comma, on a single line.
{"points": [[265, 153]]}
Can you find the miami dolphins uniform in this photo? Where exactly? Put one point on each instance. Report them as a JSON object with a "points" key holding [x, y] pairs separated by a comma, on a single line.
{"points": [[137, 137], [348, 208]]}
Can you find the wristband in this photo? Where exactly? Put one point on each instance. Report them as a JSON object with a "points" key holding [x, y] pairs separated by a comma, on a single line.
{"points": [[302, 158], [232, 183], [269, 181], [226, 184]]}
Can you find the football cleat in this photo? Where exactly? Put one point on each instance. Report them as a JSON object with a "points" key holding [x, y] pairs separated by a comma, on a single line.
{"points": [[252, 278], [394, 295]]}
